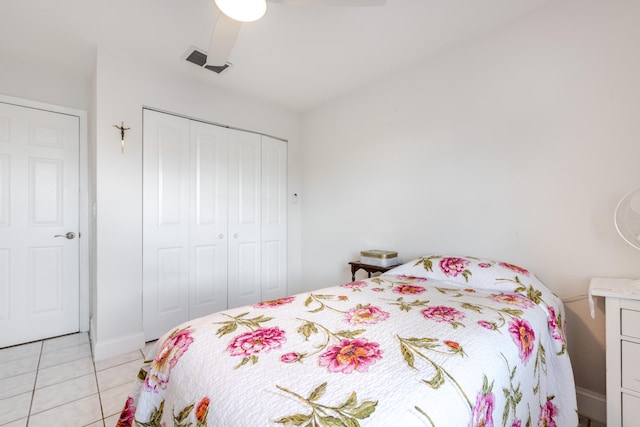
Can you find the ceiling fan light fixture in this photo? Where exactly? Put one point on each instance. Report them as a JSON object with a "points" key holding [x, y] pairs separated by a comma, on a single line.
{"points": [[243, 10]]}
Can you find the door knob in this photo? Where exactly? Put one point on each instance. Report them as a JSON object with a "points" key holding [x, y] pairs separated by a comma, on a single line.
{"points": [[70, 235]]}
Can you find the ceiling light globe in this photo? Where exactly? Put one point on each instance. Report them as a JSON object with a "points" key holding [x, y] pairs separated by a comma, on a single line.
{"points": [[243, 10]]}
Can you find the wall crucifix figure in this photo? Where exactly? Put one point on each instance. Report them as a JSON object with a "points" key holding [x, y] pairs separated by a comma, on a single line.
{"points": [[122, 130]]}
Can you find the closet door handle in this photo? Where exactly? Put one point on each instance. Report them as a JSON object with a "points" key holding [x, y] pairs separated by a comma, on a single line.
{"points": [[235, 235], [220, 236]]}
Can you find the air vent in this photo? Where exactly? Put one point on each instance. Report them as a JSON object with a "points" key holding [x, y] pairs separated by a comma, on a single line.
{"points": [[199, 58], [218, 68]]}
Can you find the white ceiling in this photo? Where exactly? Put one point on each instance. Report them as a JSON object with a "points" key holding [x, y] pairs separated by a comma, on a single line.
{"points": [[297, 56]]}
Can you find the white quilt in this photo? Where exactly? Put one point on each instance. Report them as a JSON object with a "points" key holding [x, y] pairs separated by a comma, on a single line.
{"points": [[439, 341]]}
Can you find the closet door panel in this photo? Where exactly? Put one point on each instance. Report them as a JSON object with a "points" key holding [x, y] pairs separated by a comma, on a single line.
{"points": [[208, 229], [172, 182], [245, 289], [166, 223], [274, 282], [274, 218], [214, 220], [209, 280], [170, 284], [246, 184], [244, 218]]}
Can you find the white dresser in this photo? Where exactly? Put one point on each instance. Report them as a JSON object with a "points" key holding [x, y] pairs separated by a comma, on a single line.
{"points": [[623, 349]]}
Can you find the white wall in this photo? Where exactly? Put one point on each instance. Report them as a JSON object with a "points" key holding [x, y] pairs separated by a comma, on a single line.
{"points": [[123, 86], [34, 83], [514, 146]]}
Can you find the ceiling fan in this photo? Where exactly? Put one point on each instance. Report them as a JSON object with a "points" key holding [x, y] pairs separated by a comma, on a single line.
{"points": [[233, 13]]}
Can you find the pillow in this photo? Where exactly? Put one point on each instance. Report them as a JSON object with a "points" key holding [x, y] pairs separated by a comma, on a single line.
{"points": [[468, 271], [490, 275]]}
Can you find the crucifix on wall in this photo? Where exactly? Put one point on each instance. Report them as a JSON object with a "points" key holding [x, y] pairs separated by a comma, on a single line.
{"points": [[122, 130]]}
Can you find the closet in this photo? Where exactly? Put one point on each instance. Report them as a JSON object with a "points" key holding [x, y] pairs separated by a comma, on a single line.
{"points": [[214, 219]]}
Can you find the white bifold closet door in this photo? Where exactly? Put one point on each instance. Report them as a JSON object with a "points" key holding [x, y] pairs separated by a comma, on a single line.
{"points": [[214, 232]]}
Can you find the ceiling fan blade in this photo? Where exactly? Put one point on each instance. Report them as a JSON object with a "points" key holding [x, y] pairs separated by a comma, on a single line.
{"points": [[347, 3], [224, 35]]}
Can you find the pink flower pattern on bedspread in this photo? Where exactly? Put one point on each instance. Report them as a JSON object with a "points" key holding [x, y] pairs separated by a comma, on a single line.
{"points": [[127, 416], [258, 341], [524, 337], [453, 266], [513, 299], [447, 340], [351, 355], [406, 289], [441, 313], [368, 315], [274, 303], [170, 352], [482, 412]]}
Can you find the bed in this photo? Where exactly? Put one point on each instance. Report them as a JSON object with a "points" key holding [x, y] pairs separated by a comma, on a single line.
{"points": [[438, 341]]}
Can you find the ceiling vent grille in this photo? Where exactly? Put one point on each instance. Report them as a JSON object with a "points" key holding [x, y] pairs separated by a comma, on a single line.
{"points": [[199, 58]]}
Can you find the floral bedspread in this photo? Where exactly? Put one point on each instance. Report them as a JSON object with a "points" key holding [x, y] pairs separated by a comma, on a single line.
{"points": [[439, 341]]}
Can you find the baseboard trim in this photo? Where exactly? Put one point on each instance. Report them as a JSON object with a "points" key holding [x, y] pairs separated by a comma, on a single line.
{"points": [[92, 332], [592, 404], [126, 344]]}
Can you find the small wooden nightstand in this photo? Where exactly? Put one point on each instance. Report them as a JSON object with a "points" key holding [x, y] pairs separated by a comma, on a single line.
{"points": [[356, 265]]}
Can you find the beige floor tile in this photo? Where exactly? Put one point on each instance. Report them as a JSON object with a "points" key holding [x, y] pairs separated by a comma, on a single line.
{"points": [[17, 384], [59, 394], [59, 343], [119, 360], [78, 413], [111, 421], [20, 423], [19, 366], [18, 352], [118, 375], [63, 372], [113, 400], [14, 408], [64, 355]]}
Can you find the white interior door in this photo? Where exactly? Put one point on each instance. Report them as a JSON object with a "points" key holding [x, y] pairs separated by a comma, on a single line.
{"points": [[39, 187], [165, 229]]}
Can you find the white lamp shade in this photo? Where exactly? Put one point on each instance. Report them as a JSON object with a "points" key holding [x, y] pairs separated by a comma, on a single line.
{"points": [[243, 10]]}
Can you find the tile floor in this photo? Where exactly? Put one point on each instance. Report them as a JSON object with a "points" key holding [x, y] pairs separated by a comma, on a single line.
{"points": [[57, 379]]}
